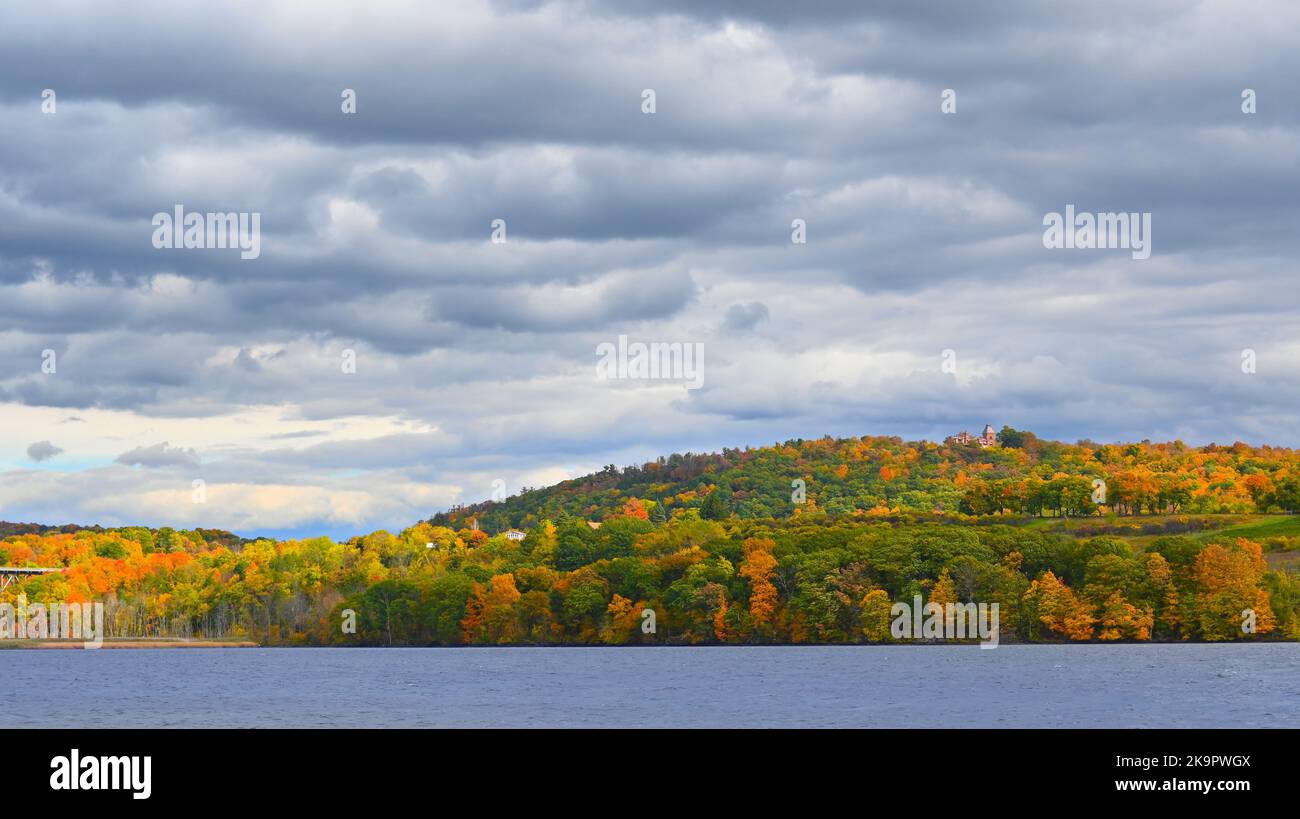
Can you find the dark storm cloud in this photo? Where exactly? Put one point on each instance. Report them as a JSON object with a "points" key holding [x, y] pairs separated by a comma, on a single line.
{"points": [[618, 299], [924, 14]]}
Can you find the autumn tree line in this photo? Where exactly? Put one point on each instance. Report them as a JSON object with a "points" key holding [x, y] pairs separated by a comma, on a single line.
{"points": [[814, 578], [1024, 475]]}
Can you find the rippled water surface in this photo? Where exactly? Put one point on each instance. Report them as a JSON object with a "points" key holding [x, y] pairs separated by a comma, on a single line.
{"points": [[927, 686]]}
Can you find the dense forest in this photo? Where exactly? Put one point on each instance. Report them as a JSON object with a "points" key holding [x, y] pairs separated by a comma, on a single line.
{"points": [[1022, 476], [803, 542]]}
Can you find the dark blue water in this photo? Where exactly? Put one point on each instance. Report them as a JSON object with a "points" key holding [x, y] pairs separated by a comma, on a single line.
{"points": [[960, 686]]}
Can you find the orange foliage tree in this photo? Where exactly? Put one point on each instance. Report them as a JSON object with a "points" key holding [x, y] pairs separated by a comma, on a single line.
{"points": [[757, 568], [1059, 608]]}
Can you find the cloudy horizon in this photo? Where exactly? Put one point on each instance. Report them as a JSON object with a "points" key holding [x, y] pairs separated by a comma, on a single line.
{"points": [[475, 360]]}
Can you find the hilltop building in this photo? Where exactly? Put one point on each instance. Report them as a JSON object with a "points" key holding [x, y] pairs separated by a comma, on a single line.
{"points": [[986, 439]]}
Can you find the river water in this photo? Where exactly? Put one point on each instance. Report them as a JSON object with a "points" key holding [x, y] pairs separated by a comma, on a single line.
{"points": [[1223, 685]]}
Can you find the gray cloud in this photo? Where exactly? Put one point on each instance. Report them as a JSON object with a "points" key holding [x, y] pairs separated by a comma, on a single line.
{"points": [[159, 455], [475, 360], [742, 317], [42, 451]]}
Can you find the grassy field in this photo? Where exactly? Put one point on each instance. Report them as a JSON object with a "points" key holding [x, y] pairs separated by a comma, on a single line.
{"points": [[1142, 530], [1259, 527]]}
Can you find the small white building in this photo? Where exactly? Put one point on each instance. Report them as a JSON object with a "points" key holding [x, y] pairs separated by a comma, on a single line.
{"points": [[515, 534]]}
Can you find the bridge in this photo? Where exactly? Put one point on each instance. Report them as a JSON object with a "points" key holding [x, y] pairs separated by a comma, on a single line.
{"points": [[10, 574]]}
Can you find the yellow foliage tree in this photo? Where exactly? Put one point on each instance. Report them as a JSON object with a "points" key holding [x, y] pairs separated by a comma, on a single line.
{"points": [[1060, 609], [757, 569], [1121, 620]]}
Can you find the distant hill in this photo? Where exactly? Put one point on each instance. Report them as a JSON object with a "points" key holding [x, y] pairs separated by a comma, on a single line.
{"points": [[211, 537], [8, 528], [801, 542], [1021, 474]]}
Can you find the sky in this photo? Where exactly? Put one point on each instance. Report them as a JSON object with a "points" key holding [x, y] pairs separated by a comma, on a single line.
{"points": [[386, 355]]}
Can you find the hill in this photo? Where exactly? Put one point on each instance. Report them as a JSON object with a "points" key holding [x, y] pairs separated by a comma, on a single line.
{"points": [[802, 542], [1022, 475]]}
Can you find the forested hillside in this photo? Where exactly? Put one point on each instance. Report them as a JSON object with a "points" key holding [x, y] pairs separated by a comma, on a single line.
{"points": [[721, 549], [856, 476]]}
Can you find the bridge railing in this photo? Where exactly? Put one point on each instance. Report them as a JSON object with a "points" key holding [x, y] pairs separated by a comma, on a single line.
{"points": [[10, 574]]}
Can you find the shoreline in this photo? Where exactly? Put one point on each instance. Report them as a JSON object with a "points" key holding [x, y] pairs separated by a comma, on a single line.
{"points": [[14, 644], [124, 644]]}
